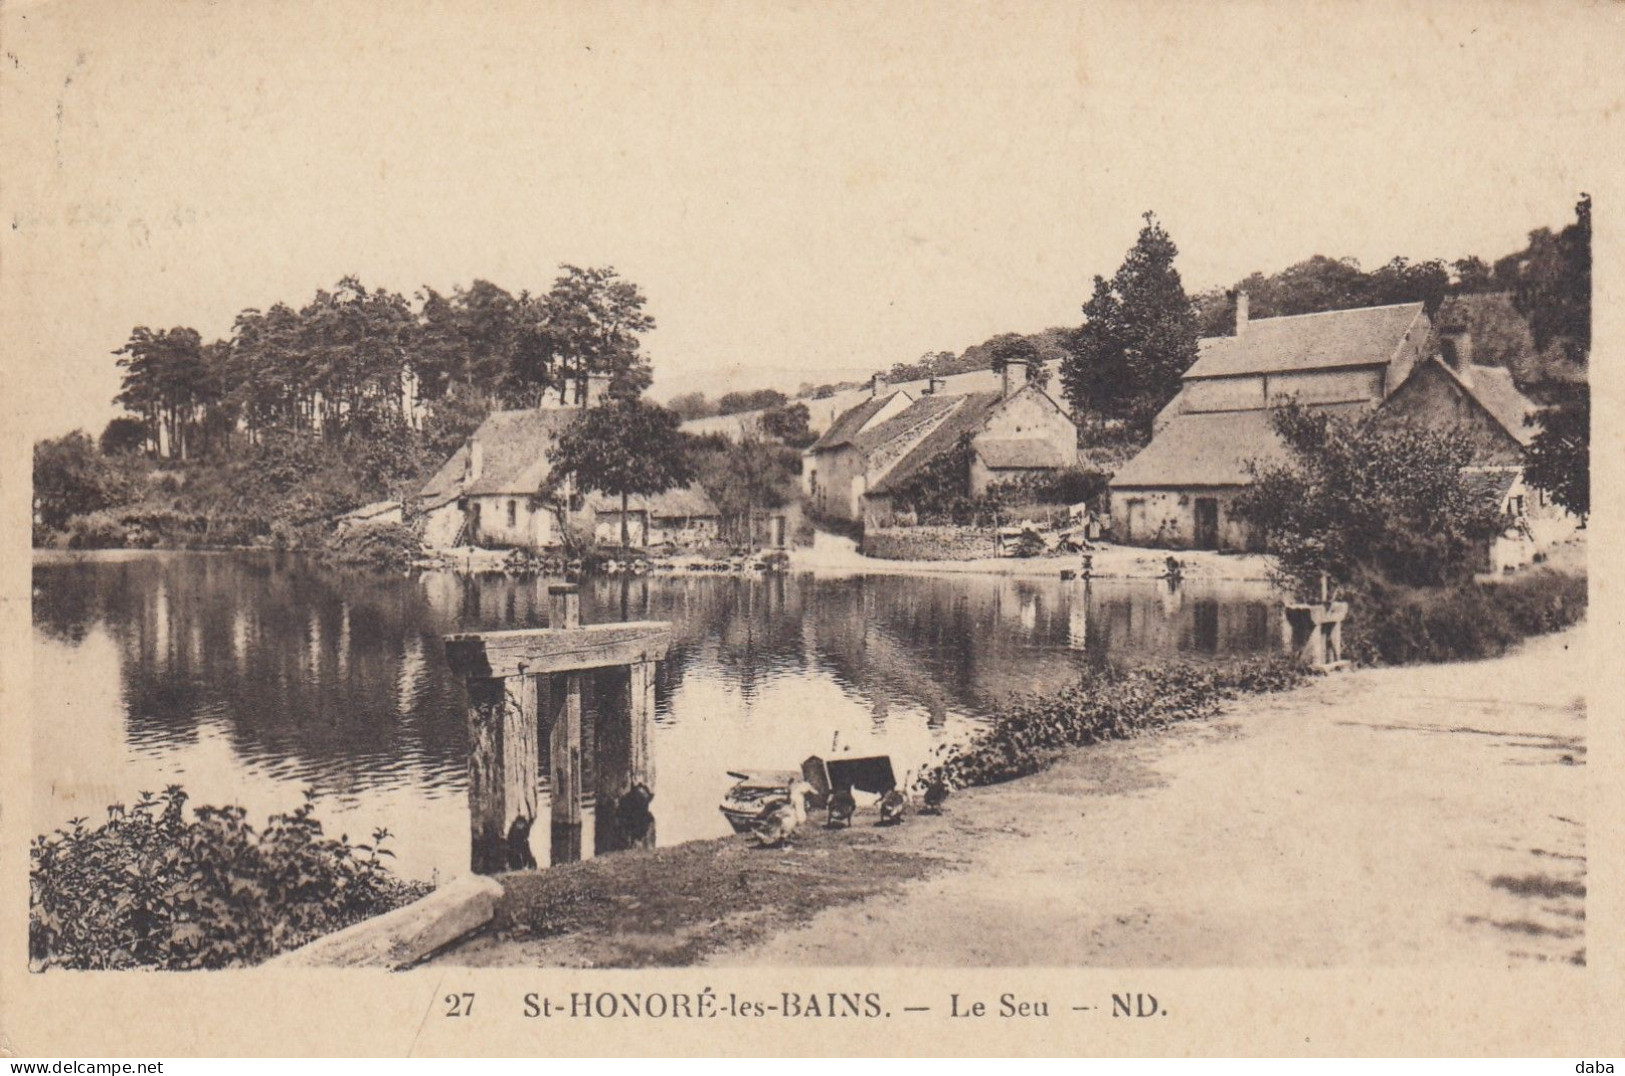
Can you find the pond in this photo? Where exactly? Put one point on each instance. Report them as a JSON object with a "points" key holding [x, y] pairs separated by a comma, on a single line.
{"points": [[251, 677]]}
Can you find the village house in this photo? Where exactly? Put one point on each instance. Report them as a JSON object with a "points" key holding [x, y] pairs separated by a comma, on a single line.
{"points": [[870, 453], [1177, 492], [491, 491]]}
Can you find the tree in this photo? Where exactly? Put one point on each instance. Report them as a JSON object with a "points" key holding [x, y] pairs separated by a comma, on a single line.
{"points": [[168, 383], [123, 436], [691, 405], [1472, 275], [734, 403], [624, 447], [1138, 336], [1559, 457], [1007, 348], [590, 322], [1369, 501], [72, 478], [744, 477], [1554, 284], [788, 424]]}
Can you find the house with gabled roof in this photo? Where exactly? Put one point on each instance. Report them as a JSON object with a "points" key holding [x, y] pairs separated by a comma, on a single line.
{"points": [[493, 491], [862, 468], [1178, 491]]}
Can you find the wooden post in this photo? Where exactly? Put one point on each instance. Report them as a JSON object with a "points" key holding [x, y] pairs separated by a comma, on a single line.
{"points": [[563, 606], [502, 772], [514, 679], [564, 748]]}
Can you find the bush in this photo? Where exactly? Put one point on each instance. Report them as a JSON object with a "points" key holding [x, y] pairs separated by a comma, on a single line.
{"points": [[382, 546], [1391, 625], [151, 889], [1030, 732]]}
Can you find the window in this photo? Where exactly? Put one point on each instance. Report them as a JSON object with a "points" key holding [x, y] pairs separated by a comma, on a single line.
{"points": [[513, 513]]}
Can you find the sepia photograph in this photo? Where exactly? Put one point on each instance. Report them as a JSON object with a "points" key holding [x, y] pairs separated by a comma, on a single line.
{"points": [[945, 528]]}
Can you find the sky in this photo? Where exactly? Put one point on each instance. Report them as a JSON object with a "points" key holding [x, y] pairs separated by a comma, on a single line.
{"points": [[804, 191]]}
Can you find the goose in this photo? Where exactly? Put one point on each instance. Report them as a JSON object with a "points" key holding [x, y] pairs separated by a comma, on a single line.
{"points": [[779, 822], [936, 792], [842, 806], [632, 812], [892, 805]]}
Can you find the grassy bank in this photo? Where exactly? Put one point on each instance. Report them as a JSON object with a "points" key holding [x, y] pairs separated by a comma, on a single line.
{"points": [[1408, 626]]}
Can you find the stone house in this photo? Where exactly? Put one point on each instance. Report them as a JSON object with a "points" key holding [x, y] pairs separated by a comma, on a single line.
{"points": [[1177, 492], [675, 518], [1017, 431], [836, 469], [490, 492]]}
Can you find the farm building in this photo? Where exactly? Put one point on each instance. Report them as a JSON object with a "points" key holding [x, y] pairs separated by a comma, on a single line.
{"points": [[491, 491], [1178, 490]]}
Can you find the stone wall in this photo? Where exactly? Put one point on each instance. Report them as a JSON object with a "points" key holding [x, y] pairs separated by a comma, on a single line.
{"points": [[928, 543]]}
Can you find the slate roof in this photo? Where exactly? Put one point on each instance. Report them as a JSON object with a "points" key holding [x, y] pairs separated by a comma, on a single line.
{"points": [[849, 422], [689, 501], [967, 416], [1363, 337], [1492, 485], [1209, 449], [1018, 453]]}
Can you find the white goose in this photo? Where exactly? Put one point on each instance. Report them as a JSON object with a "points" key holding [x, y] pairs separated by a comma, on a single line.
{"points": [[777, 824]]}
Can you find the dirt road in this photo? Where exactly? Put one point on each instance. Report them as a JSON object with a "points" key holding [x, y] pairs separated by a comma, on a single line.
{"points": [[1428, 815]]}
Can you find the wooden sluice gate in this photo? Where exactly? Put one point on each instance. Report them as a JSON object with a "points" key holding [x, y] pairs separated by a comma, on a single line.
{"points": [[583, 697]]}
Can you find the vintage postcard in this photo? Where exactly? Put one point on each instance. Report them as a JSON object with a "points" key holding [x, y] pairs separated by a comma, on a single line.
{"points": [[740, 528]]}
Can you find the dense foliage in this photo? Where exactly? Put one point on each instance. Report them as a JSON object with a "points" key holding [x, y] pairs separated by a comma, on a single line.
{"points": [[1369, 499], [1559, 457], [72, 477], [151, 888], [1138, 336], [745, 478], [1403, 625], [1030, 732]]}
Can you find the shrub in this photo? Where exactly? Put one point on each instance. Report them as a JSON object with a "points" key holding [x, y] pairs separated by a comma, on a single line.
{"points": [[1031, 731], [1391, 625], [383, 546], [150, 888]]}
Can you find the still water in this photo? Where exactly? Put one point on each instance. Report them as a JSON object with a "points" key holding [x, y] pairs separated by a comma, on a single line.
{"points": [[249, 678]]}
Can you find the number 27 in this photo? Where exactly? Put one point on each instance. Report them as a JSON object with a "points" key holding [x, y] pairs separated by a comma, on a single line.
{"points": [[460, 1004]]}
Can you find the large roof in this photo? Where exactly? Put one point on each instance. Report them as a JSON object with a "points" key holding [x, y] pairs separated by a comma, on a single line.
{"points": [[514, 451], [847, 425], [1208, 449], [1021, 453], [967, 416], [1363, 337]]}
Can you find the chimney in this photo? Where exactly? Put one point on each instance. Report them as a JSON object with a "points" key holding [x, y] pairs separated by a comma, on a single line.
{"points": [[1457, 345], [877, 387], [934, 386], [476, 460], [1241, 312], [1011, 384], [595, 390]]}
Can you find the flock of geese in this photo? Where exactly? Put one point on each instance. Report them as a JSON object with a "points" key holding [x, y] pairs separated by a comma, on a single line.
{"points": [[779, 823]]}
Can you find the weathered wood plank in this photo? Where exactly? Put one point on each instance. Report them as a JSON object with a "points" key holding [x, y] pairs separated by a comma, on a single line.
{"points": [[564, 749], [503, 653], [487, 699]]}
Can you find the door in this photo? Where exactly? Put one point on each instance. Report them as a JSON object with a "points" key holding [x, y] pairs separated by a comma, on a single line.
{"points": [[1207, 523]]}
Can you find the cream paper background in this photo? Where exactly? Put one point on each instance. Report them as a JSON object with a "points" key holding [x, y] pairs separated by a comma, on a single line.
{"points": [[1566, 1011]]}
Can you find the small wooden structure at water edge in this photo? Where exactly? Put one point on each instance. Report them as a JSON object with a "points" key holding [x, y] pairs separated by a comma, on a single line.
{"points": [[534, 693]]}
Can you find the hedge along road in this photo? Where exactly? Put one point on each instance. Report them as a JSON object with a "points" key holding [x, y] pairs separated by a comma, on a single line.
{"points": [[1414, 816]]}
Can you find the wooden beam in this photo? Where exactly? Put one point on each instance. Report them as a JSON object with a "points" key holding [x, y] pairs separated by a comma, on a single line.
{"points": [[564, 750], [502, 775], [543, 650]]}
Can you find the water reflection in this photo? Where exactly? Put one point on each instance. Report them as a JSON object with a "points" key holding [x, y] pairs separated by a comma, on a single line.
{"points": [[249, 677]]}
